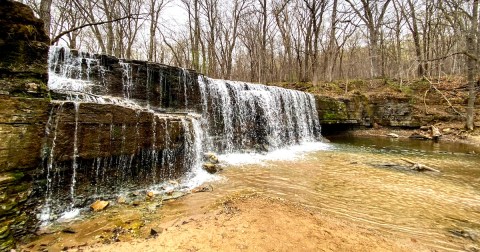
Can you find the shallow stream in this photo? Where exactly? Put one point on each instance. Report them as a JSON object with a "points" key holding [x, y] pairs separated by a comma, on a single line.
{"points": [[365, 181]]}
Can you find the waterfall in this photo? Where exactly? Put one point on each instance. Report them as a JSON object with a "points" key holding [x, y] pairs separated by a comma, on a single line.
{"points": [[126, 79], [138, 125], [70, 71], [241, 116], [75, 154]]}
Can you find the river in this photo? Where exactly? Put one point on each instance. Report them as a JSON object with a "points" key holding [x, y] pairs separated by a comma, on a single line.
{"points": [[364, 180]]}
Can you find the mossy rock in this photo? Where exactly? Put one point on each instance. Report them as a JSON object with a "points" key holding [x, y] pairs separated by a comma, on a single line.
{"points": [[19, 23], [331, 109], [23, 51], [11, 177]]}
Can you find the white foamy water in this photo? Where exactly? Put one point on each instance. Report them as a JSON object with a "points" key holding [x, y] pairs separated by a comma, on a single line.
{"points": [[285, 154], [68, 215]]}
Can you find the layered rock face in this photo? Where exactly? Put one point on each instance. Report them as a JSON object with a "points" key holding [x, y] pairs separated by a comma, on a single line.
{"points": [[115, 125], [60, 155], [96, 150], [144, 83], [23, 114], [342, 114]]}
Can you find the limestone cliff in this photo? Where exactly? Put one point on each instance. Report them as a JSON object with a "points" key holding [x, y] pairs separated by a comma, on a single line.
{"points": [[24, 110]]}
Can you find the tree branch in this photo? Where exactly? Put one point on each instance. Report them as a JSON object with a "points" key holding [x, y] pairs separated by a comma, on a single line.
{"points": [[444, 97], [450, 55], [56, 38]]}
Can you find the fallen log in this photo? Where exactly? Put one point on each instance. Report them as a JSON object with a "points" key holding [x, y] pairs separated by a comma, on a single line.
{"points": [[418, 166]]}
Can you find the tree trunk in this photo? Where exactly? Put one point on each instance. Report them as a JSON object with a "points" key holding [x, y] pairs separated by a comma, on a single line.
{"points": [[472, 66], [45, 14], [374, 57], [416, 40]]}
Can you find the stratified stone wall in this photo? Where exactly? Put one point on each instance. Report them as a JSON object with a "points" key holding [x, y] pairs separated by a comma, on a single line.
{"points": [[338, 114], [155, 85], [117, 148], [24, 110]]}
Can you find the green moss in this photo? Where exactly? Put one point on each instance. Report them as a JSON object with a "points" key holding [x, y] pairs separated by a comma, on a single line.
{"points": [[331, 116], [7, 244], [7, 207], [11, 177]]}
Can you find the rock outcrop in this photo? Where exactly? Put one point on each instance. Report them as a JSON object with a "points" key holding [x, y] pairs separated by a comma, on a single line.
{"points": [[103, 148], [146, 83], [24, 110], [63, 152], [338, 114]]}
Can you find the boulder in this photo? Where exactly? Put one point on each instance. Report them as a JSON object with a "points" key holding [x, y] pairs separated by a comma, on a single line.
{"points": [[211, 157], [99, 205], [210, 168]]}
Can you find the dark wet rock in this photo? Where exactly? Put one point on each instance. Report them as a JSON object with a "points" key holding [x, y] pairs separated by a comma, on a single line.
{"points": [[23, 51], [69, 231], [210, 168], [156, 231], [211, 157]]}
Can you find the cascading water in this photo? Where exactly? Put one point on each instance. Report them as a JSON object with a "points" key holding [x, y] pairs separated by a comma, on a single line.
{"points": [[124, 140], [126, 79], [75, 154], [241, 116], [101, 141]]}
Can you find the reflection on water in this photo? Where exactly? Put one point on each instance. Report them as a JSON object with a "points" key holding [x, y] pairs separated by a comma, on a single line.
{"points": [[362, 180]]}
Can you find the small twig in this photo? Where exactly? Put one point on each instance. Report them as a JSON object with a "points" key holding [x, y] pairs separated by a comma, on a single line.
{"points": [[450, 55]]}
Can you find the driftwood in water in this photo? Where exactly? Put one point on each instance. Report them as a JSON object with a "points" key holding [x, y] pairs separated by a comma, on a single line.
{"points": [[418, 166]]}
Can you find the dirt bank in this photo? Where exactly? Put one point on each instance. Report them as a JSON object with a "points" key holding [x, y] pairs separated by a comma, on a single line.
{"points": [[246, 223]]}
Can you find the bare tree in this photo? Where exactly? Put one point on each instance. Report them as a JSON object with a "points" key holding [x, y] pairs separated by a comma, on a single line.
{"points": [[155, 7], [45, 14], [372, 13]]}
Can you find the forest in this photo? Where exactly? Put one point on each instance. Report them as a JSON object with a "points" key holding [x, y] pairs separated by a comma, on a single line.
{"points": [[270, 41], [227, 125]]}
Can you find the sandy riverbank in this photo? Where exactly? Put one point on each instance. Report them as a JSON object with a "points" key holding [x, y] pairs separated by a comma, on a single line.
{"points": [[245, 223]]}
